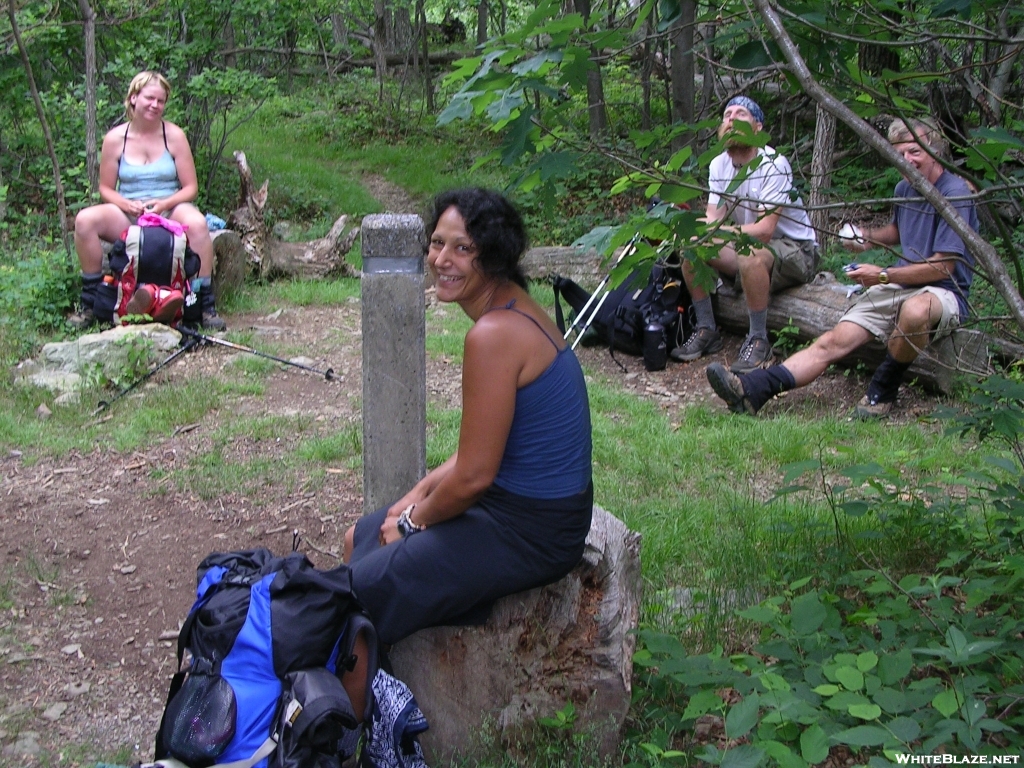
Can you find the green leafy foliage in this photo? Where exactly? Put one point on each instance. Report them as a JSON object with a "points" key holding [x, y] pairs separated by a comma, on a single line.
{"points": [[877, 662], [36, 290]]}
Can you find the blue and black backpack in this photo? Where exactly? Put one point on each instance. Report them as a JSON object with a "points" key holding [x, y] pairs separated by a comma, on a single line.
{"points": [[260, 658]]}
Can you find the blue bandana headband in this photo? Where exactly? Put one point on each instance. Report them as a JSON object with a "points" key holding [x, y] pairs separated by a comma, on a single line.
{"points": [[750, 105]]}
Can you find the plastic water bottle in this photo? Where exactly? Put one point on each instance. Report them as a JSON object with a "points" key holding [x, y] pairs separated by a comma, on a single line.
{"points": [[655, 348]]}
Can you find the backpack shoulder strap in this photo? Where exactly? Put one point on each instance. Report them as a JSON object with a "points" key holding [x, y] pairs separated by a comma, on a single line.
{"points": [[355, 623]]}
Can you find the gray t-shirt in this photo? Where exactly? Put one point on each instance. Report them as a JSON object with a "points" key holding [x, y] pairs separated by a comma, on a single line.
{"points": [[923, 233]]}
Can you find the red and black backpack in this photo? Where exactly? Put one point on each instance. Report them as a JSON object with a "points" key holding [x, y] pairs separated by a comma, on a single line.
{"points": [[157, 258]]}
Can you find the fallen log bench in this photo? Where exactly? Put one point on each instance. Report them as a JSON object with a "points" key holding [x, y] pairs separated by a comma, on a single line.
{"points": [[568, 642], [816, 307], [812, 309]]}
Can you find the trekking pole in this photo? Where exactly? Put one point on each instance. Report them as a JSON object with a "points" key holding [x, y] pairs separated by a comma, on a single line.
{"points": [[590, 320], [328, 374], [104, 404], [630, 248], [597, 309]]}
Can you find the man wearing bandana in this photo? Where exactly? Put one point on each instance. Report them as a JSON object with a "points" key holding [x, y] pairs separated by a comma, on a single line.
{"points": [[751, 193]]}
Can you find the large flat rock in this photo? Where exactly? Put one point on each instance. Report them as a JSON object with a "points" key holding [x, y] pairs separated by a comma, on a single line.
{"points": [[571, 641]]}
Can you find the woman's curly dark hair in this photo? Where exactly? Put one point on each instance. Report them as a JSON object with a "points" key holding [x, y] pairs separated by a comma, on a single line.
{"points": [[494, 224]]}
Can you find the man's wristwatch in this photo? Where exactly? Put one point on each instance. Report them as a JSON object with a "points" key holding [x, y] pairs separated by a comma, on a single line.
{"points": [[405, 525], [883, 277]]}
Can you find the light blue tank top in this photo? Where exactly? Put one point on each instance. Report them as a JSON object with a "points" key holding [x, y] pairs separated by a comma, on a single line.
{"points": [[147, 181], [548, 451]]}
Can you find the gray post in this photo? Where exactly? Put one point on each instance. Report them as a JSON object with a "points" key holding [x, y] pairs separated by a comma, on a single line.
{"points": [[394, 357]]}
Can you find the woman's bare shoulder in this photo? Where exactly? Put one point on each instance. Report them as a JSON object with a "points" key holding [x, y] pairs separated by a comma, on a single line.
{"points": [[115, 134], [174, 133]]}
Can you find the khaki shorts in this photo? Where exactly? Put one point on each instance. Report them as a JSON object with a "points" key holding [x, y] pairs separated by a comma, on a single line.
{"points": [[796, 262], [877, 308]]}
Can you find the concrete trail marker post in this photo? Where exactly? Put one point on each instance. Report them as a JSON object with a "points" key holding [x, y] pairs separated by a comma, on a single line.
{"points": [[394, 357]]}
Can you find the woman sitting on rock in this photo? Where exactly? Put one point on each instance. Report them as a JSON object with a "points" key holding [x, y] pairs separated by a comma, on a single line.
{"points": [[510, 510], [146, 166]]}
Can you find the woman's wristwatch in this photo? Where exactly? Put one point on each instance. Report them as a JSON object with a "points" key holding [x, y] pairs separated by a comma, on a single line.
{"points": [[406, 526]]}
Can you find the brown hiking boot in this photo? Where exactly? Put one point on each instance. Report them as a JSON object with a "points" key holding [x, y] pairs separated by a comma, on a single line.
{"points": [[703, 341], [754, 353], [729, 387], [872, 408]]}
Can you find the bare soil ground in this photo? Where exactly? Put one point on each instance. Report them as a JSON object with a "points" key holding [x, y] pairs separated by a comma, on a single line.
{"points": [[100, 549]]}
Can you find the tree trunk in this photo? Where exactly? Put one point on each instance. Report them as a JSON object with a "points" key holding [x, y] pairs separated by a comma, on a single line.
{"points": [[646, 70], [683, 71], [597, 112], [381, 34], [3, 197], [708, 70], [875, 58], [980, 248], [230, 60], [403, 37], [482, 12], [62, 209], [339, 31], [271, 258], [821, 175], [1001, 80], [92, 162], [428, 82]]}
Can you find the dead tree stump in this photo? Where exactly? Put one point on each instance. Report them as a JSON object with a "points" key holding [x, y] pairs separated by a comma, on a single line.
{"points": [[269, 257]]}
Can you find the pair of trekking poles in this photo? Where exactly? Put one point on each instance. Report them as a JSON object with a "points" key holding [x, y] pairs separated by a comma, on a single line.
{"points": [[195, 339]]}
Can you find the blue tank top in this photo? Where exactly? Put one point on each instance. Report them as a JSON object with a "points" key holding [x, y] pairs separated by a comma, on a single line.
{"points": [[548, 452], [147, 181]]}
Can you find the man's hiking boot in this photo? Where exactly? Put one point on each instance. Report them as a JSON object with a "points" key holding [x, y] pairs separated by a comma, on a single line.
{"points": [[703, 341], [729, 387], [213, 322], [873, 408], [83, 319], [754, 353]]}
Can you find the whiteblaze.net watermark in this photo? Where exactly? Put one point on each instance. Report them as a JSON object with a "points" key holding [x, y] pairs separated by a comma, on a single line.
{"points": [[903, 758]]}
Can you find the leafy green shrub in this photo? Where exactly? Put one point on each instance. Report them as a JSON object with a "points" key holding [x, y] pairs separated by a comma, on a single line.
{"points": [[874, 664], [37, 288]]}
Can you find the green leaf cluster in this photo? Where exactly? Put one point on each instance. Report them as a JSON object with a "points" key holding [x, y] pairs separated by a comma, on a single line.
{"points": [[875, 662]]}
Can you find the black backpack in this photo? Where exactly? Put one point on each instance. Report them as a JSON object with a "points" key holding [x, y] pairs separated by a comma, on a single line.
{"points": [[619, 317], [268, 639]]}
